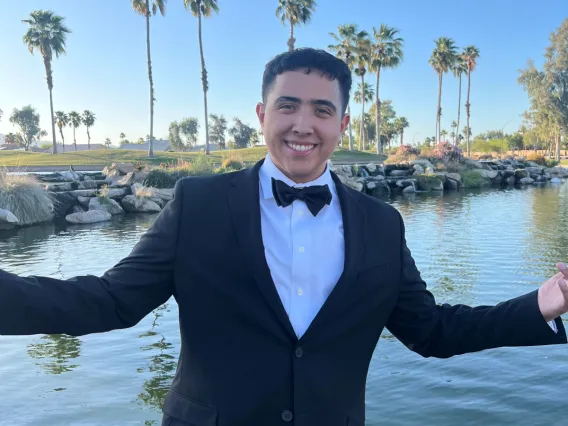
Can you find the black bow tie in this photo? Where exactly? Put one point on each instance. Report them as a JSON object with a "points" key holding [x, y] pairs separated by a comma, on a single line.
{"points": [[315, 197]]}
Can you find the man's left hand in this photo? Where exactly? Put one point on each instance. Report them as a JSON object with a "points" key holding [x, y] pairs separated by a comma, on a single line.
{"points": [[553, 294]]}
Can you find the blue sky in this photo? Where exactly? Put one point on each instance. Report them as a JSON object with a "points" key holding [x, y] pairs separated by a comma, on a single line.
{"points": [[105, 66]]}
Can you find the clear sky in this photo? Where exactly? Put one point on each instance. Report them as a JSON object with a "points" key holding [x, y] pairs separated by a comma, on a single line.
{"points": [[105, 67]]}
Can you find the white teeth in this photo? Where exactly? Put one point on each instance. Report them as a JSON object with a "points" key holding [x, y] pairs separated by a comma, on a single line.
{"points": [[299, 147]]}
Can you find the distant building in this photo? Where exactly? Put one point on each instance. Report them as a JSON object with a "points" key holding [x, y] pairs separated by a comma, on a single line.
{"points": [[69, 147], [159, 146]]}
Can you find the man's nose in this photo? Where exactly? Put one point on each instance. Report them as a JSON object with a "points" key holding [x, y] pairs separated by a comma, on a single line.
{"points": [[303, 122]]}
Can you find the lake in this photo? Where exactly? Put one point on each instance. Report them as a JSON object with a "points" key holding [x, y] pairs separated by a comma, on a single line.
{"points": [[473, 247]]}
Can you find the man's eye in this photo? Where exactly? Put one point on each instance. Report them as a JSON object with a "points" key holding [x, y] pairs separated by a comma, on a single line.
{"points": [[286, 106], [323, 111]]}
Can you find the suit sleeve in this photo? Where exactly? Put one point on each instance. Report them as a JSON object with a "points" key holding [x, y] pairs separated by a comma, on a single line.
{"points": [[442, 331], [87, 304]]}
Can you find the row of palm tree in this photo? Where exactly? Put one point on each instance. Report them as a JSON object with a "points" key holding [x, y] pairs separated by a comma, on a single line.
{"points": [[74, 120]]}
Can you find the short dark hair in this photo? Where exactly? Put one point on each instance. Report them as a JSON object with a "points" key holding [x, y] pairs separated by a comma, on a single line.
{"points": [[309, 59]]}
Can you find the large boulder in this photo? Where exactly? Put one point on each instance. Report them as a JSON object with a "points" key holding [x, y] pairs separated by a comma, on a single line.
{"points": [[398, 173], [84, 201], [123, 168], [71, 175], [84, 193], [418, 169], [488, 174], [371, 167], [473, 164], [8, 220], [105, 204], [91, 216], [422, 162], [88, 184], [521, 173], [63, 202], [131, 203], [60, 187], [526, 181], [557, 171], [454, 176]]}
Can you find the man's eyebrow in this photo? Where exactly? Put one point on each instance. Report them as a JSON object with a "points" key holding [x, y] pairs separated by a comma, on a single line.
{"points": [[323, 102]]}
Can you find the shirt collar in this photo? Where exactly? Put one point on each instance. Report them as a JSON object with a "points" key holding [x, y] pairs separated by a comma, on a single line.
{"points": [[268, 170]]}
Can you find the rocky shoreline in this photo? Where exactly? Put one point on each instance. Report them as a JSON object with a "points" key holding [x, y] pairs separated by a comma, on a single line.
{"points": [[90, 197]]}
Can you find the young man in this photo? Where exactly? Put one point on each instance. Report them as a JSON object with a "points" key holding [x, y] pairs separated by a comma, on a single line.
{"points": [[283, 292]]}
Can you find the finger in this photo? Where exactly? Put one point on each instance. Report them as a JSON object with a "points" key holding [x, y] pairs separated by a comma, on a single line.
{"points": [[563, 284], [563, 269]]}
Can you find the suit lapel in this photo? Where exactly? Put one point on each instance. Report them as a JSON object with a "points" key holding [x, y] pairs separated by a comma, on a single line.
{"points": [[354, 222], [245, 208]]}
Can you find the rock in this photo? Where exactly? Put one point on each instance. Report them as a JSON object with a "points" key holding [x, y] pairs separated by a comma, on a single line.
{"points": [[140, 177], [132, 203], [473, 164], [546, 176], [158, 201], [532, 164], [451, 184], [406, 182], [377, 188], [8, 220], [521, 173], [430, 182], [84, 201], [423, 163], [346, 171], [409, 189], [398, 173], [117, 192], [87, 178], [534, 170], [88, 184], [59, 187], [123, 168], [454, 176], [358, 186], [371, 185], [83, 193], [105, 204], [526, 181], [488, 174], [508, 173], [429, 170], [371, 167], [557, 171], [70, 174], [511, 180], [126, 180], [418, 169], [91, 216], [77, 209], [168, 194], [342, 179], [63, 202]]}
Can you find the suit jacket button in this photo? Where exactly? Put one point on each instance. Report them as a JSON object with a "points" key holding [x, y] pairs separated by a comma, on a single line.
{"points": [[287, 415], [299, 352]]}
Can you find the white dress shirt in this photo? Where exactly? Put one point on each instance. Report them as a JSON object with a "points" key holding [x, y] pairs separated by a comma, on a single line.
{"points": [[305, 254]]}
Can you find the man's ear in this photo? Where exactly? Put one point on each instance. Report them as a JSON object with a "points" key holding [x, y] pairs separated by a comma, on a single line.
{"points": [[260, 114], [345, 122]]}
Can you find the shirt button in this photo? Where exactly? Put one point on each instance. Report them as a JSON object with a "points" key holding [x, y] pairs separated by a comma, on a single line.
{"points": [[287, 416], [299, 352], [301, 249], [300, 291]]}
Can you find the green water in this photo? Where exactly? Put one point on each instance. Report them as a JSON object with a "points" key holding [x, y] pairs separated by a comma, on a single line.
{"points": [[477, 247]]}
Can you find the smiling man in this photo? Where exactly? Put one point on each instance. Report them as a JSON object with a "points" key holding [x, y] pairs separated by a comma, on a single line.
{"points": [[284, 277]]}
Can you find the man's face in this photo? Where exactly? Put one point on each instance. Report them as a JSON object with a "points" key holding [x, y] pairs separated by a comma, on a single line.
{"points": [[302, 121]]}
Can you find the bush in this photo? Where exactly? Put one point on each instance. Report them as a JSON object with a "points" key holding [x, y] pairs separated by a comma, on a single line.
{"points": [[428, 182], [472, 179], [231, 164], [537, 158], [25, 197], [160, 178], [447, 152], [407, 151]]}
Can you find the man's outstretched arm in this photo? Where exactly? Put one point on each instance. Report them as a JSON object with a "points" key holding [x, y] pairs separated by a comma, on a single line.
{"points": [[445, 330], [87, 304]]}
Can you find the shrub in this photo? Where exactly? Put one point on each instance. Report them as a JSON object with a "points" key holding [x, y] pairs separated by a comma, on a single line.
{"points": [[25, 197], [551, 163], [454, 167], [407, 151], [447, 152], [472, 179], [537, 158], [231, 164], [427, 182], [160, 178]]}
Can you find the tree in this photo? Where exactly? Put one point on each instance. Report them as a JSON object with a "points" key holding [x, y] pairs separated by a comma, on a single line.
{"points": [[458, 68], [362, 58], [401, 123], [254, 138], [189, 127], [345, 49], [369, 93], [386, 52], [218, 126], [13, 139], [442, 59], [467, 132], [62, 120], [296, 12], [241, 133], [174, 136], [47, 34], [89, 121], [27, 119], [76, 120], [108, 143], [443, 133], [122, 136], [470, 55], [148, 8]]}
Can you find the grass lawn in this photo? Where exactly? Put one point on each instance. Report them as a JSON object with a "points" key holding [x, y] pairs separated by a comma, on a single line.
{"points": [[109, 156], [564, 162]]}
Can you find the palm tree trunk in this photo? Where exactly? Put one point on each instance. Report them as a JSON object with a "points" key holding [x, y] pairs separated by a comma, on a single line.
{"points": [[49, 76], [378, 115], [350, 128], [151, 143], [467, 111], [62, 138], [361, 131], [459, 108], [401, 137], [88, 139], [291, 40], [74, 139], [439, 113], [205, 86]]}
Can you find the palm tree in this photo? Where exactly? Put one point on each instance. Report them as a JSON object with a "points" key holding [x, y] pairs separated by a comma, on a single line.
{"points": [[345, 50], [458, 68], [47, 34], [368, 91], [362, 58], [443, 133], [88, 121], [62, 120], [470, 55], [454, 129], [386, 52], [198, 9], [296, 12], [76, 121], [400, 124], [108, 143], [442, 59], [148, 8]]}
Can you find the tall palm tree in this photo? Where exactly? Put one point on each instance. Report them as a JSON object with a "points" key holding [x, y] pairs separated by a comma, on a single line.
{"points": [[88, 121], [368, 92], [148, 8], [296, 12], [47, 34], [470, 55], [400, 124], [455, 128], [362, 58], [443, 133], [76, 120], [62, 120], [442, 59], [458, 68], [386, 52], [198, 9], [345, 50]]}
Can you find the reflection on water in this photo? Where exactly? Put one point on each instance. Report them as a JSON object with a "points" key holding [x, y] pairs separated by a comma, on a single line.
{"points": [[473, 247]]}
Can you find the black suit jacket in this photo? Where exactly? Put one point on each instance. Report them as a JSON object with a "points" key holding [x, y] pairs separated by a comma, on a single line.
{"points": [[241, 363]]}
